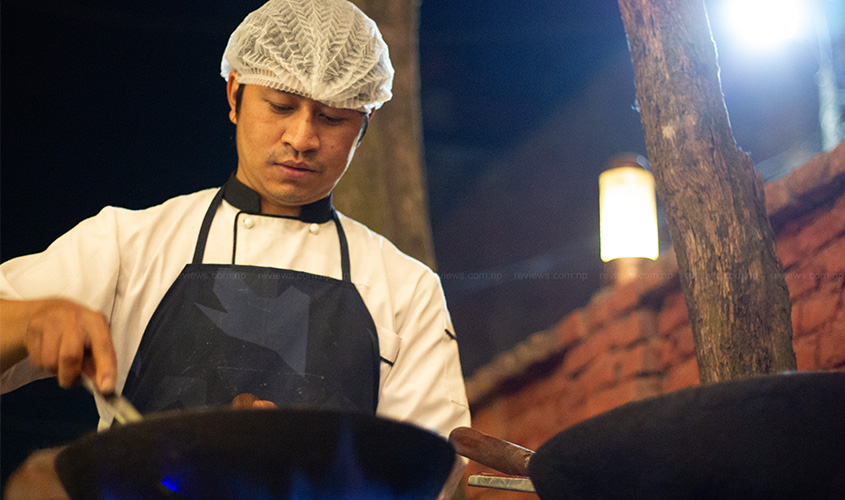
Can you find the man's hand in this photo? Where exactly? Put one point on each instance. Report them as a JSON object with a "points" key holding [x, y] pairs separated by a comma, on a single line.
{"points": [[36, 479], [61, 337], [247, 401]]}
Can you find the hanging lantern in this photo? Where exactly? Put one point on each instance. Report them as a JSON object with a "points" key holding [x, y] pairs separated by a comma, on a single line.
{"points": [[628, 210]]}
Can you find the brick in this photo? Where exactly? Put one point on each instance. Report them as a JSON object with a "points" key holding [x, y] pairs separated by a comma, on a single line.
{"points": [[571, 329], [803, 238], [796, 333], [637, 325], [515, 404], [683, 375], [803, 279], [831, 259], [806, 350], [624, 392], [788, 245], [672, 314], [824, 228], [832, 344], [531, 430], [600, 374], [568, 401], [623, 297], [837, 159], [676, 348], [780, 205], [488, 420], [627, 362], [575, 360], [642, 359], [816, 309], [582, 389], [626, 332], [558, 380], [685, 342], [815, 181], [599, 311], [572, 416], [666, 353]]}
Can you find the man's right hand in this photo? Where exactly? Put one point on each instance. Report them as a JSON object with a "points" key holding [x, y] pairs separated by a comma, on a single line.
{"points": [[59, 336], [36, 479]]}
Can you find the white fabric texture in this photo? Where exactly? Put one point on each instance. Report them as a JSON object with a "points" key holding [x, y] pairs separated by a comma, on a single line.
{"points": [[325, 50], [121, 262]]}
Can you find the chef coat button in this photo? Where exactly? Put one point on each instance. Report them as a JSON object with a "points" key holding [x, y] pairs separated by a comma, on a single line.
{"points": [[248, 223], [315, 228]]}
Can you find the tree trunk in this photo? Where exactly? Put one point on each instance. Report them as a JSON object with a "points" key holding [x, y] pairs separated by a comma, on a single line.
{"points": [[732, 282], [385, 186]]}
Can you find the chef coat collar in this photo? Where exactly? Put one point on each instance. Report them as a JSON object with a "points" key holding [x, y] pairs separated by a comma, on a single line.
{"points": [[246, 199]]}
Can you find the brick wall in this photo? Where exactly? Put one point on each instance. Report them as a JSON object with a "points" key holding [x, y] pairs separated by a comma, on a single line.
{"points": [[634, 341]]}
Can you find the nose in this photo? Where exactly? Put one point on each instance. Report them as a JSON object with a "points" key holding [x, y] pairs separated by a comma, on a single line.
{"points": [[300, 132]]}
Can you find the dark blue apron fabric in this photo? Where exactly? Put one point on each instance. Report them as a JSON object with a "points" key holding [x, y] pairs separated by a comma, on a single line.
{"points": [[293, 338]]}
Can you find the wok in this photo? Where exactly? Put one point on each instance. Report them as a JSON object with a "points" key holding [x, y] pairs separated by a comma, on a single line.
{"points": [[774, 436], [257, 454]]}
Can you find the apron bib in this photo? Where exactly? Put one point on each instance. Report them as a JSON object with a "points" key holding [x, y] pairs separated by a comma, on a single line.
{"points": [[290, 337]]}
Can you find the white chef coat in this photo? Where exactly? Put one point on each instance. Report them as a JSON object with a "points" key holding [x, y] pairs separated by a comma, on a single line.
{"points": [[121, 262]]}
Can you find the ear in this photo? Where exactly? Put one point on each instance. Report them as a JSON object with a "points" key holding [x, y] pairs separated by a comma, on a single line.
{"points": [[231, 90]]}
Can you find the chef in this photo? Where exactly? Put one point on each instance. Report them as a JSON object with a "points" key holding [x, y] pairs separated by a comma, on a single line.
{"points": [[259, 286]]}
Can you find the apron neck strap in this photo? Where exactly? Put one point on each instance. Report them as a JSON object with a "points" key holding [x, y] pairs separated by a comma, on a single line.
{"points": [[344, 248], [205, 228]]}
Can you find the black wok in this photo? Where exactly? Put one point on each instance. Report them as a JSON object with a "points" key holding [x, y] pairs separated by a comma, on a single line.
{"points": [[257, 454], [778, 436]]}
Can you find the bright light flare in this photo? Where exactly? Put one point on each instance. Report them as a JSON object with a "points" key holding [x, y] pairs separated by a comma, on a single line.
{"points": [[765, 24]]}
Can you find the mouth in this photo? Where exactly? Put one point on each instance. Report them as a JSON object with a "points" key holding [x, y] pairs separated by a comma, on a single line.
{"points": [[294, 168]]}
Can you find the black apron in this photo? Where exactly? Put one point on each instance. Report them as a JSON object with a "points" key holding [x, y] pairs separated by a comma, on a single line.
{"points": [[293, 338]]}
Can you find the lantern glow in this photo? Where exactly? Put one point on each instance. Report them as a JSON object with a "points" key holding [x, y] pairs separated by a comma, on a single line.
{"points": [[628, 213]]}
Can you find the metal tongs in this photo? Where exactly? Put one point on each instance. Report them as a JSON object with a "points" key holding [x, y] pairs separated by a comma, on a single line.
{"points": [[505, 457], [122, 409]]}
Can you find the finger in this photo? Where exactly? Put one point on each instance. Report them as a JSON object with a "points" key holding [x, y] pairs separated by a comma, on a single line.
{"points": [[49, 336], [244, 401], [262, 404], [34, 342], [71, 353], [36, 478], [102, 351]]}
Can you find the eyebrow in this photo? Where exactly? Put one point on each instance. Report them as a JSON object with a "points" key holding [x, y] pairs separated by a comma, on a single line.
{"points": [[282, 92]]}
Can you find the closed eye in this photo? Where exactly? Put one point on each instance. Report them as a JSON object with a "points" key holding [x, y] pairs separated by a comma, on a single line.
{"points": [[279, 108], [332, 120]]}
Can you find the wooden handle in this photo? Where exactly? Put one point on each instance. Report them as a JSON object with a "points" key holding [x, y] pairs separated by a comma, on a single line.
{"points": [[494, 453]]}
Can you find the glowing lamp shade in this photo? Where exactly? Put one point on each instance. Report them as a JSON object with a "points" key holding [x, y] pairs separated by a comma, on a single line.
{"points": [[628, 213]]}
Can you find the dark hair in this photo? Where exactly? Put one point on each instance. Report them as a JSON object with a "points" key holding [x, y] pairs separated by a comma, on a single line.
{"points": [[364, 127], [239, 94]]}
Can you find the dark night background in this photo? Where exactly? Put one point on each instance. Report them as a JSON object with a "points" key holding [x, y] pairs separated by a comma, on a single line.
{"points": [[524, 103]]}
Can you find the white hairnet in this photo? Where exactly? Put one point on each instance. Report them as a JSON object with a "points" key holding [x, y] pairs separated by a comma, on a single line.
{"points": [[326, 50]]}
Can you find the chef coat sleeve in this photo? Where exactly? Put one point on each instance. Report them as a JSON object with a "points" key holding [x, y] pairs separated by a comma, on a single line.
{"points": [[82, 266], [425, 385]]}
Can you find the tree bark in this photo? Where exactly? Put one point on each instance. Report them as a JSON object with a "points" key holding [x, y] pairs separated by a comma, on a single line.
{"points": [[734, 288], [385, 185]]}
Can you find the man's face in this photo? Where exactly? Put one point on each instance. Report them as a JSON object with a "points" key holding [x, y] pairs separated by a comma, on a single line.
{"points": [[291, 150]]}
